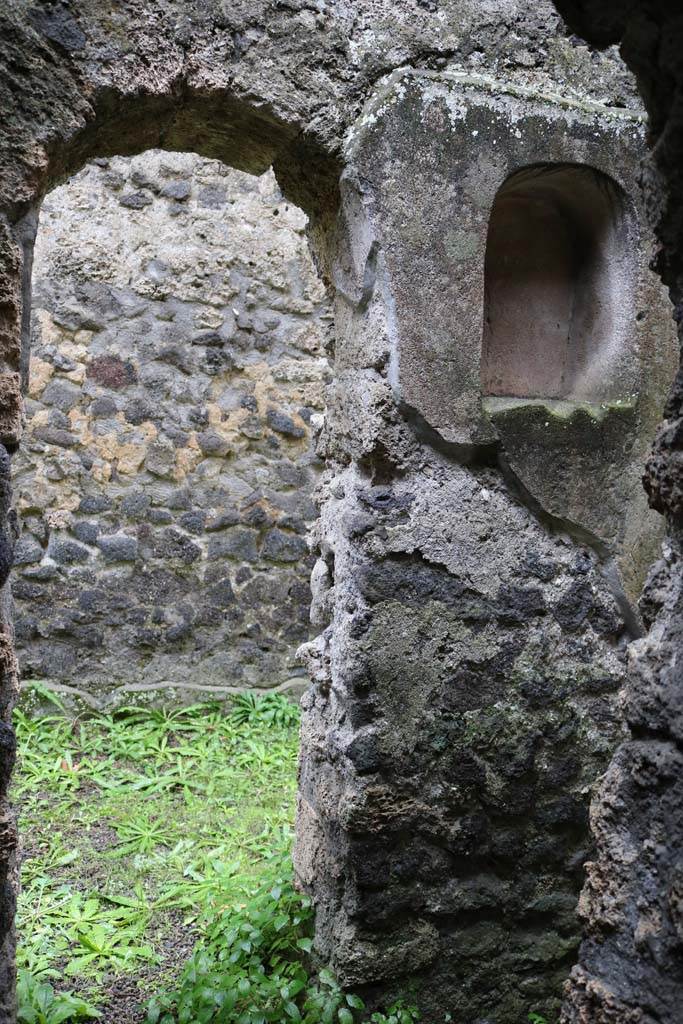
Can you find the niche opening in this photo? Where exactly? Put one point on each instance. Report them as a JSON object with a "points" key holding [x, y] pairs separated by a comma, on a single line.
{"points": [[557, 287]]}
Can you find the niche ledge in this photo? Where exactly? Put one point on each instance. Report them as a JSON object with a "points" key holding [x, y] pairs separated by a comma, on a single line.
{"points": [[559, 408], [581, 462]]}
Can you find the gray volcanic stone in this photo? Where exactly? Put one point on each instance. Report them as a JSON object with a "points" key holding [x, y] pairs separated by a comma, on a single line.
{"points": [[233, 544], [86, 532], [118, 547], [160, 460], [62, 394], [172, 544], [212, 443], [135, 200], [67, 552], [178, 190], [55, 436], [212, 197], [136, 505], [283, 547], [193, 522], [224, 518], [103, 407], [283, 424], [95, 503], [138, 410], [60, 28], [27, 551]]}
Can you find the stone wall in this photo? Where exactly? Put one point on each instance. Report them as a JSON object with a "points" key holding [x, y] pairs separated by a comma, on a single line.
{"points": [[630, 968], [165, 482], [480, 557]]}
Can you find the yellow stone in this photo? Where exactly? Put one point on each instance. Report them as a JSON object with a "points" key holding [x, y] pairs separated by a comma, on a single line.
{"points": [[40, 373]]}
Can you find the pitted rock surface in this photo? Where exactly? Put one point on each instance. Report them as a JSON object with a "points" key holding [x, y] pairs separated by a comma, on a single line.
{"points": [[629, 967]]}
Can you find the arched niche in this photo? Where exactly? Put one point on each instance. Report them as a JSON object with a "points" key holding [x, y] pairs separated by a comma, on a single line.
{"points": [[558, 287]]}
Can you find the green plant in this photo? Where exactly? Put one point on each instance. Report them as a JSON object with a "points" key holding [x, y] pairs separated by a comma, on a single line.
{"points": [[39, 688], [399, 1013], [102, 947], [134, 816], [141, 833], [38, 1003], [250, 967], [536, 1018], [271, 708]]}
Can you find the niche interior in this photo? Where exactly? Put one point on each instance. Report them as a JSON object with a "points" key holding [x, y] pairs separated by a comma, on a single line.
{"points": [[558, 287]]}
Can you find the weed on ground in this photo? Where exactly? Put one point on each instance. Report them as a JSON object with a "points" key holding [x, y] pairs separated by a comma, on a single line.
{"points": [[137, 825]]}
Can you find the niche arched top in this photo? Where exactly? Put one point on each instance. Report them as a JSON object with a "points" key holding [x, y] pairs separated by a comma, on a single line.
{"points": [[558, 287]]}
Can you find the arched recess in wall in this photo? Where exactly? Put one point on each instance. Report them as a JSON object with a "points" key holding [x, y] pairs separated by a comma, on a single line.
{"points": [[243, 134], [164, 486], [559, 287]]}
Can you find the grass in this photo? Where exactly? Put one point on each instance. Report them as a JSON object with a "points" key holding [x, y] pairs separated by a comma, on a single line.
{"points": [[137, 826]]}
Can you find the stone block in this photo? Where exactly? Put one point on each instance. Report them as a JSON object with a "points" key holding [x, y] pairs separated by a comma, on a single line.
{"points": [[118, 547], [279, 546], [236, 544], [27, 551], [171, 544], [135, 200], [67, 552], [62, 394], [284, 424]]}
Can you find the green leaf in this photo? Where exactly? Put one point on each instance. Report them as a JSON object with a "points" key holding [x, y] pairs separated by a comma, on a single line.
{"points": [[153, 1012], [356, 1002]]}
